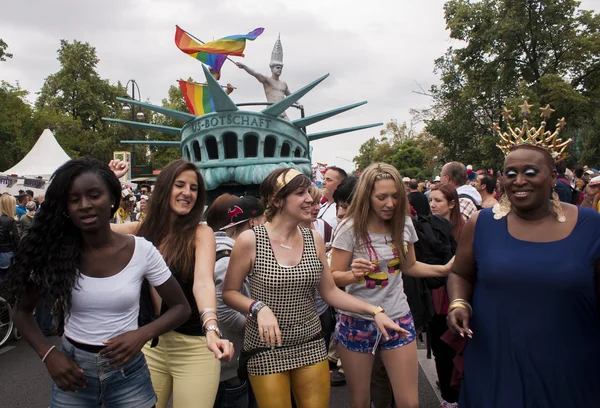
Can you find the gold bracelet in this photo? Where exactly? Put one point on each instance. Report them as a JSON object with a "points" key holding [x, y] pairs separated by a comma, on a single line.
{"points": [[456, 303], [377, 310]]}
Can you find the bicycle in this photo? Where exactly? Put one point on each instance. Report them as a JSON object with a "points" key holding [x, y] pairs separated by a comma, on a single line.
{"points": [[6, 322]]}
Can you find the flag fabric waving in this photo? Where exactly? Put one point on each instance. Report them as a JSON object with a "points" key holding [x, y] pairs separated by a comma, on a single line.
{"points": [[231, 45], [197, 98]]}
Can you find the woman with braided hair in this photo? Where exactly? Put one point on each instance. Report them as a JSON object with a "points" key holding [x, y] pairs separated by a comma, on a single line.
{"points": [[96, 275]]}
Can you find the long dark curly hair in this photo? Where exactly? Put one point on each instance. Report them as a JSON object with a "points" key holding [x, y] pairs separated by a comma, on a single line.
{"points": [[48, 258]]}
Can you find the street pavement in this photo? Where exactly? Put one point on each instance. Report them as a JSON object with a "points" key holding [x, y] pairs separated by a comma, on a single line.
{"points": [[24, 382]]}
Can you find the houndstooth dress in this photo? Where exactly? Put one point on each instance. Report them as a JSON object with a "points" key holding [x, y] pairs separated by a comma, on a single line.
{"points": [[290, 294]]}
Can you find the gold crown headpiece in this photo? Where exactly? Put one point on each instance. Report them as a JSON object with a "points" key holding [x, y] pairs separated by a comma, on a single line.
{"points": [[539, 137]]}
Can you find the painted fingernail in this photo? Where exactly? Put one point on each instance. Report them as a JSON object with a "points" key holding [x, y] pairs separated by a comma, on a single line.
{"points": [[387, 338], [278, 344], [461, 334]]}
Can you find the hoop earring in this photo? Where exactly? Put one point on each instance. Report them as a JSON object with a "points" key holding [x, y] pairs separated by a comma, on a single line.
{"points": [[560, 215], [501, 208]]}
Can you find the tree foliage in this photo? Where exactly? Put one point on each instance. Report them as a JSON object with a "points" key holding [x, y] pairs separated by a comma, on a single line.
{"points": [[3, 54], [414, 156], [545, 51]]}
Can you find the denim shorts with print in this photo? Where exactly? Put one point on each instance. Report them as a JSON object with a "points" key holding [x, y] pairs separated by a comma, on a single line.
{"points": [[107, 386], [365, 337]]}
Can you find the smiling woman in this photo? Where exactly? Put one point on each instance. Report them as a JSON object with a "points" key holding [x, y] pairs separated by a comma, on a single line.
{"points": [[285, 264], [95, 275], [186, 361], [521, 268]]}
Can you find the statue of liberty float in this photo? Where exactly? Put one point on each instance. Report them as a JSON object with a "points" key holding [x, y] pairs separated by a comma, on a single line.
{"points": [[236, 149]]}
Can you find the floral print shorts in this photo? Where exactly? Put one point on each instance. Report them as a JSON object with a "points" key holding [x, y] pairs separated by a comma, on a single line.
{"points": [[365, 337]]}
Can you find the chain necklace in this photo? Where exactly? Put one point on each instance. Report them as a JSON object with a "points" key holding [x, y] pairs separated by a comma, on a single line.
{"points": [[281, 244]]}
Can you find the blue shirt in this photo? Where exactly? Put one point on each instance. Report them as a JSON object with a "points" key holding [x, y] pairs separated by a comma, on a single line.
{"points": [[21, 211]]}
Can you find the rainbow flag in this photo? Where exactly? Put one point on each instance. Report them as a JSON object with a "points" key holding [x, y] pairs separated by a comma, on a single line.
{"points": [[231, 45], [197, 98]]}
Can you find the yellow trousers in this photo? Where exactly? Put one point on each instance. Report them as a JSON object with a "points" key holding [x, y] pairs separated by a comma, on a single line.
{"points": [[310, 385], [181, 365]]}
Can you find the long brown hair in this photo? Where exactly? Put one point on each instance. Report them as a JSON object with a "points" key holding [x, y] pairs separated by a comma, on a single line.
{"points": [[178, 240], [456, 218], [360, 209]]}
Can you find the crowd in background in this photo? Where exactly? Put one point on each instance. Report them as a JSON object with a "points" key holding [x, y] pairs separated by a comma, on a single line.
{"points": [[265, 322]]}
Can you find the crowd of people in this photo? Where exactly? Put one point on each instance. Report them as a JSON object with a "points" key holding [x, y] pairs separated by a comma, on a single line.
{"points": [[268, 301]]}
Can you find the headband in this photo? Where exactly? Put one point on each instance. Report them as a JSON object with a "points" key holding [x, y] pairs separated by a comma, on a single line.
{"points": [[284, 179]]}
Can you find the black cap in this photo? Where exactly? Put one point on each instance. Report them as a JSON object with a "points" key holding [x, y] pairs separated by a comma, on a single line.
{"points": [[244, 209]]}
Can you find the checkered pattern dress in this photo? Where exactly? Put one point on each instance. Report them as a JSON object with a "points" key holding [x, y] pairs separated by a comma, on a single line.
{"points": [[290, 294]]}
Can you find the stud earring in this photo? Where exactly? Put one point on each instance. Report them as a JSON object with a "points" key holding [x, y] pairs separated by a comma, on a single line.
{"points": [[502, 208], [560, 215]]}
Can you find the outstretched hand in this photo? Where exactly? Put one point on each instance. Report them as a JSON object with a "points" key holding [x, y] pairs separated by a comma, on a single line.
{"points": [[222, 349], [118, 167]]}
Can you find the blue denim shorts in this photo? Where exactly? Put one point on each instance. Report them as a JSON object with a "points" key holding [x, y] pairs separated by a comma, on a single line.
{"points": [[364, 336], [124, 387]]}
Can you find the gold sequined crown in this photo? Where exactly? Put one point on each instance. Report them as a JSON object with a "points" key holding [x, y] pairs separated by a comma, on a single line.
{"points": [[526, 135]]}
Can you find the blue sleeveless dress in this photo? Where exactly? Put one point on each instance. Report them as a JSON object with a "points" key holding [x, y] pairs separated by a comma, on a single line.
{"points": [[536, 324]]}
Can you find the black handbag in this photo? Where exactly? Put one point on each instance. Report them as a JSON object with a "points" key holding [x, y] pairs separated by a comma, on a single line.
{"points": [[246, 355]]}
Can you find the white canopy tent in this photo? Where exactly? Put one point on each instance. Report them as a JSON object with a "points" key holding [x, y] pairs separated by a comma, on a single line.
{"points": [[42, 160]]}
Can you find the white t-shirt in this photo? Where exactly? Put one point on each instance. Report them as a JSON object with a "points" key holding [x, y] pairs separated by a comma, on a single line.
{"points": [[383, 287], [328, 213], [103, 308]]}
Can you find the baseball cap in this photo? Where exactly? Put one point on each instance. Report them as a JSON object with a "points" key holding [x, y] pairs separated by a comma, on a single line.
{"points": [[595, 180], [406, 180], [243, 209], [437, 179], [589, 172]]}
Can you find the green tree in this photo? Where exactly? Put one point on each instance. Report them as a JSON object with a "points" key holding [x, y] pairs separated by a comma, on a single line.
{"points": [[16, 125], [3, 54], [397, 145], [77, 92], [545, 51]]}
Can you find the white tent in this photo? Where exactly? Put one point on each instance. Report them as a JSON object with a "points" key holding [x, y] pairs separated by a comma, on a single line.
{"points": [[42, 160]]}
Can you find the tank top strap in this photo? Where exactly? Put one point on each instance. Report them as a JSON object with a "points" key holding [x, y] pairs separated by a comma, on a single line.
{"points": [[263, 244]]}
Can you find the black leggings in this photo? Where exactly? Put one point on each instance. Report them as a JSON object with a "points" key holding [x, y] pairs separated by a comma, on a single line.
{"points": [[444, 355]]}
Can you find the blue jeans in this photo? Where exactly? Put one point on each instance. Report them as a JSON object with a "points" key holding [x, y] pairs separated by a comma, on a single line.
{"points": [[107, 386], [233, 393]]}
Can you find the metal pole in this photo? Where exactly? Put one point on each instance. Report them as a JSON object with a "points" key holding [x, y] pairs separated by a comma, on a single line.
{"points": [[132, 128]]}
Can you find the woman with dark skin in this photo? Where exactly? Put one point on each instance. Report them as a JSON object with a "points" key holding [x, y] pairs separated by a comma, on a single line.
{"points": [[72, 254], [532, 277]]}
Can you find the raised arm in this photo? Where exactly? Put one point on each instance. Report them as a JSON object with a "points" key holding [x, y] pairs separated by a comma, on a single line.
{"points": [[260, 77], [422, 270]]}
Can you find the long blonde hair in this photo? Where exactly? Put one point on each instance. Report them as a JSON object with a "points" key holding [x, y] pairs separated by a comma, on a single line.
{"points": [[360, 209], [8, 205]]}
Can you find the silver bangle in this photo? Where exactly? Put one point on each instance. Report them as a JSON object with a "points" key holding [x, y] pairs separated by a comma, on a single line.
{"points": [[208, 310], [258, 306], [47, 352]]}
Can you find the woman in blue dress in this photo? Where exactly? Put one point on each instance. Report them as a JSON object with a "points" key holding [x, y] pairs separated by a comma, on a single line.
{"points": [[524, 289]]}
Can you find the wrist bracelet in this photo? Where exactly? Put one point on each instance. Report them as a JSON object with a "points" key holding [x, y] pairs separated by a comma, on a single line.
{"points": [[208, 320], [456, 303], [47, 352], [256, 309], [252, 306], [208, 310]]}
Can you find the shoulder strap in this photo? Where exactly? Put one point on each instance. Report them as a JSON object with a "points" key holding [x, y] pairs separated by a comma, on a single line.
{"points": [[222, 254]]}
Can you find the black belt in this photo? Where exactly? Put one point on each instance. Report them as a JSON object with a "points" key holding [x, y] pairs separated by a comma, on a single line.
{"points": [[86, 347]]}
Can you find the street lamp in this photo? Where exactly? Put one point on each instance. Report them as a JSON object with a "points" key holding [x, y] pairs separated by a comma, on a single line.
{"points": [[131, 109]]}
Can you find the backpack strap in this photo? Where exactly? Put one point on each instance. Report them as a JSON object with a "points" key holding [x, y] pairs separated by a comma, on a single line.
{"points": [[222, 254], [463, 195]]}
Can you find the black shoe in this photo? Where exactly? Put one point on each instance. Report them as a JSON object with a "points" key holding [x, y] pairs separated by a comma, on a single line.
{"points": [[337, 379]]}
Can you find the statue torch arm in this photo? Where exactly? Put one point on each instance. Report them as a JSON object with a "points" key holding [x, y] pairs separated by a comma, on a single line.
{"points": [[260, 77]]}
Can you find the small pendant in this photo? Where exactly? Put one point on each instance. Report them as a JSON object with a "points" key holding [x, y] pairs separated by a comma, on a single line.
{"points": [[285, 246]]}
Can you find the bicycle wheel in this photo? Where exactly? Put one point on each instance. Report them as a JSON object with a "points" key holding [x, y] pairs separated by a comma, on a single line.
{"points": [[6, 323]]}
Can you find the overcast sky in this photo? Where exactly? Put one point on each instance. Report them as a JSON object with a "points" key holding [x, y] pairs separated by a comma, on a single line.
{"points": [[380, 51]]}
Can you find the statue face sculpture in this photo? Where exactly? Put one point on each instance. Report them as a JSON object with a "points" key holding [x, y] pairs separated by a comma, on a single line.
{"points": [[276, 70]]}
